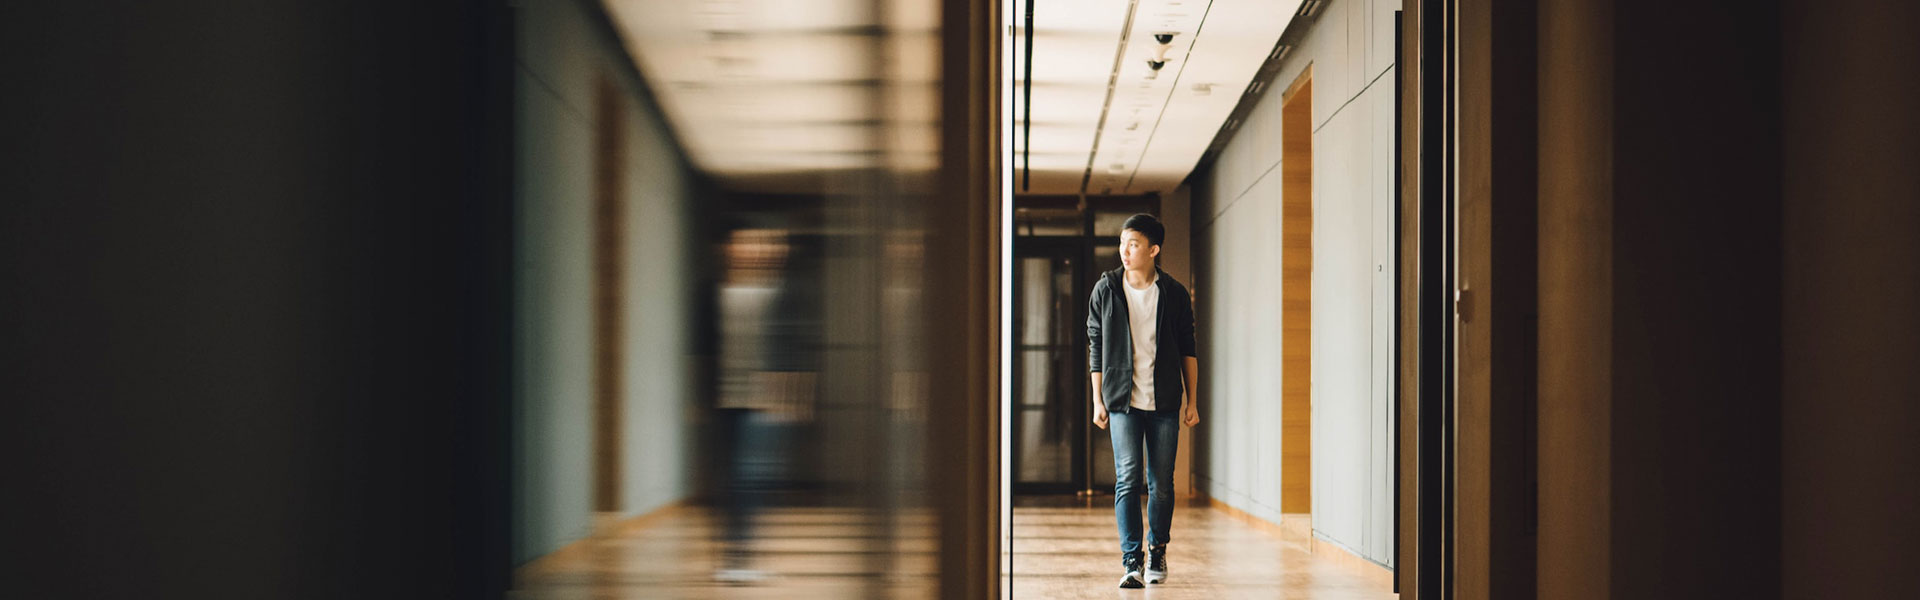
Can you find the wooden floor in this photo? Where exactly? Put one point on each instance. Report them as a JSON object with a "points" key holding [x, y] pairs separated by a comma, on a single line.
{"points": [[1061, 549], [1070, 552], [802, 553]]}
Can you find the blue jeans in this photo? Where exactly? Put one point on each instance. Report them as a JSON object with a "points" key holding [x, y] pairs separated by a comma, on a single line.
{"points": [[757, 466], [1159, 433]]}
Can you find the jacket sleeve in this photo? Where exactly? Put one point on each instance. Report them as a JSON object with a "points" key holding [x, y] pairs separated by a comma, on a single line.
{"points": [[1094, 306], [1186, 325]]}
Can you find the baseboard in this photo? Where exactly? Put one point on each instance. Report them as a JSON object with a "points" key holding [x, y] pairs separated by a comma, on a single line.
{"points": [[604, 526], [1297, 529], [1378, 574]]}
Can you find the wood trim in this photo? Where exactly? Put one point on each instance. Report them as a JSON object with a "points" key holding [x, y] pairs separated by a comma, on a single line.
{"points": [[962, 258], [1407, 505]]}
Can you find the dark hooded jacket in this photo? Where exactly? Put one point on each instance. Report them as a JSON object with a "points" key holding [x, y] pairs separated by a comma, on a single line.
{"points": [[1110, 342]]}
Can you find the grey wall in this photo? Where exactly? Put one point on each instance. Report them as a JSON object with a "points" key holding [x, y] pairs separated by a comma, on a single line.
{"points": [[1236, 219], [564, 50]]}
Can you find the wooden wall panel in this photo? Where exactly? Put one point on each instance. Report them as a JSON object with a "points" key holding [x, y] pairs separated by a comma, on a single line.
{"points": [[1296, 294], [609, 264]]}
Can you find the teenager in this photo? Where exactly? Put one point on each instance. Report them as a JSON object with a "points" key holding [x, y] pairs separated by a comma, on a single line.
{"points": [[1140, 356]]}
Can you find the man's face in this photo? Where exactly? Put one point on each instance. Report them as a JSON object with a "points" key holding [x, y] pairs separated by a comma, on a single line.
{"points": [[1135, 251]]}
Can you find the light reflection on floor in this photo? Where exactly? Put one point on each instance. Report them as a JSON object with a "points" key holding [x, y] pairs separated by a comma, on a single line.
{"points": [[1062, 548], [1068, 549], [798, 552]]}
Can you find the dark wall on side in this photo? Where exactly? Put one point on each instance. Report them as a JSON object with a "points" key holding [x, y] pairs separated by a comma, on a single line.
{"points": [[1850, 422], [253, 299], [1728, 299], [1696, 301]]}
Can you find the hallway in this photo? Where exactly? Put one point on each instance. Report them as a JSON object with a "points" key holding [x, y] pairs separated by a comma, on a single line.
{"points": [[570, 299], [1063, 551]]}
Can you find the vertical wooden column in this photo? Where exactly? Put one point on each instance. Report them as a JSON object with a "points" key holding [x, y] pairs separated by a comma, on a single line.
{"points": [[1496, 282], [1407, 167], [962, 304], [1576, 300], [1296, 296], [609, 266]]}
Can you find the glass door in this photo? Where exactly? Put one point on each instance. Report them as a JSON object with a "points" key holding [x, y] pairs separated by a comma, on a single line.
{"points": [[1050, 406]]}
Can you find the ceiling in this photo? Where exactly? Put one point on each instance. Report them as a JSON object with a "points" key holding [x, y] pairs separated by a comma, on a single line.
{"points": [[768, 93], [1103, 121]]}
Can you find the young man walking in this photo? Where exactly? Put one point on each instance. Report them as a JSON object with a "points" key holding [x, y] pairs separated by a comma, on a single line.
{"points": [[1140, 355]]}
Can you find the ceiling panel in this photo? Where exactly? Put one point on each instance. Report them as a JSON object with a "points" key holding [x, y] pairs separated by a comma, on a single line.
{"points": [[1226, 55], [768, 88], [1073, 53], [1157, 123]]}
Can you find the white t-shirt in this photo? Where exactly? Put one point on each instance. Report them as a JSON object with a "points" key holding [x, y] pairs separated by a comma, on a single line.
{"points": [[1143, 308]]}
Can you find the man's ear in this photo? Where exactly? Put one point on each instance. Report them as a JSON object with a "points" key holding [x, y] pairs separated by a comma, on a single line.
{"points": [[1153, 251]]}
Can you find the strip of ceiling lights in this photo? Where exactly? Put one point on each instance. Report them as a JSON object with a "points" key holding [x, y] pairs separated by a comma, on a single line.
{"points": [[1113, 79], [1168, 102]]}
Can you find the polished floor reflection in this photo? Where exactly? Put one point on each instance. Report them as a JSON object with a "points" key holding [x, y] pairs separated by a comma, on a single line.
{"points": [[797, 553], [1067, 549]]}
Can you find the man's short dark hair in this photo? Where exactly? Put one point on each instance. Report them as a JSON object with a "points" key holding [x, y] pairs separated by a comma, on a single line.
{"points": [[1147, 226]]}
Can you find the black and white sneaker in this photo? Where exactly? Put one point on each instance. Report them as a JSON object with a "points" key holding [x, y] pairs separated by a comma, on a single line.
{"points": [[1132, 579], [1157, 565]]}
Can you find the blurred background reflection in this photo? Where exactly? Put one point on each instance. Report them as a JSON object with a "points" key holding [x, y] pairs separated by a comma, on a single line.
{"points": [[720, 274]]}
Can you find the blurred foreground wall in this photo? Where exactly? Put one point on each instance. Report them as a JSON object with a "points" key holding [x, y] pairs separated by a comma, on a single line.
{"points": [[250, 308], [591, 147]]}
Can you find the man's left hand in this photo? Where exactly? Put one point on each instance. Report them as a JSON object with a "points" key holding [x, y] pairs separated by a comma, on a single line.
{"points": [[1190, 415]]}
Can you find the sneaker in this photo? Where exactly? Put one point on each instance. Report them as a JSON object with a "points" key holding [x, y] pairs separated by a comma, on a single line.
{"points": [[1132, 579], [737, 576], [734, 571], [1157, 565]]}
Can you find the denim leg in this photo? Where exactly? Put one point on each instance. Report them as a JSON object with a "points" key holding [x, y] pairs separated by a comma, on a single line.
{"points": [[1162, 433], [1126, 430], [759, 466]]}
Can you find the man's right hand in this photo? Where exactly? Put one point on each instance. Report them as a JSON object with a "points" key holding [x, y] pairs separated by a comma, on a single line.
{"points": [[1100, 417]]}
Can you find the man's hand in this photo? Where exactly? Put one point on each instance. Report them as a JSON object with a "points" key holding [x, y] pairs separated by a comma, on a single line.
{"points": [[1190, 414], [1099, 404]]}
